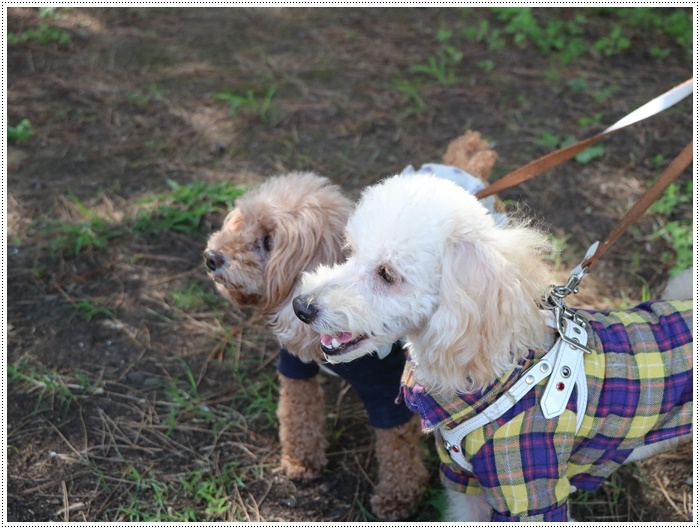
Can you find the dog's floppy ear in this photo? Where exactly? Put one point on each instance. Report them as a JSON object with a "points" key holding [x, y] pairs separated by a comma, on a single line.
{"points": [[298, 243], [488, 313]]}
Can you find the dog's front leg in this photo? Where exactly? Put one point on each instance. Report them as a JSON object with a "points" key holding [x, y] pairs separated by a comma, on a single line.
{"points": [[466, 507], [302, 433], [401, 471]]}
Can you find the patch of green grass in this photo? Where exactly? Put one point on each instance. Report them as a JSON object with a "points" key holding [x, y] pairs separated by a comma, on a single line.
{"points": [[193, 297], [44, 34], [411, 93], [593, 121], [70, 239], [183, 208], [257, 103], [441, 67], [185, 402], [486, 65], [20, 132], [570, 38], [204, 495], [679, 234], [601, 95], [89, 309], [605, 503], [59, 391], [674, 196], [584, 157]]}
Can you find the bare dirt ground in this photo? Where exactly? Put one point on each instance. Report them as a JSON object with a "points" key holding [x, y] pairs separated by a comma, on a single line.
{"points": [[124, 404]]}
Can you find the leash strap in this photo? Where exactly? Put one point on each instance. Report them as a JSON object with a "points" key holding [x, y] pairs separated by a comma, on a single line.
{"points": [[672, 172], [548, 161]]}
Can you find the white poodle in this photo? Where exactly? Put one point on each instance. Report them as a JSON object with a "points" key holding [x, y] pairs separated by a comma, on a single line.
{"points": [[488, 371]]}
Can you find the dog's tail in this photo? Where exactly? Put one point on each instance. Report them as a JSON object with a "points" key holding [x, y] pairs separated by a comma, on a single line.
{"points": [[680, 287], [472, 154]]}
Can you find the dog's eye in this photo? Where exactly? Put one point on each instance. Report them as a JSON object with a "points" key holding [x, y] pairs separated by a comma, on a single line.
{"points": [[386, 274], [262, 246]]}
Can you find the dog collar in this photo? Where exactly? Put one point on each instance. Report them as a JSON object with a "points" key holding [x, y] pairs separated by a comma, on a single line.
{"points": [[563, 364]]}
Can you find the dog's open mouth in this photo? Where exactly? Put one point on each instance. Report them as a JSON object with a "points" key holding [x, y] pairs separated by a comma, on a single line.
{"points": [[340, 343]]}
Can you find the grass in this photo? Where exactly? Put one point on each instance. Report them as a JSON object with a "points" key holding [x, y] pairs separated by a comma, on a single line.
{"points": [[586, 156], [677, 233], [194, 297], [59, 392], [88, 310], [597, 32], [183, 208], [23, 131], [258, 104], [202, 495], [44, 34]]}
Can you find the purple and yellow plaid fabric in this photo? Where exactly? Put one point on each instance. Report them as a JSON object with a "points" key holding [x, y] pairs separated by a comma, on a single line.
{"points": [[640, 391]]}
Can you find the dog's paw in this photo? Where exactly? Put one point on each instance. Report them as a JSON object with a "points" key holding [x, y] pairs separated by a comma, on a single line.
{"points": [[302, 470], [393, 505]]}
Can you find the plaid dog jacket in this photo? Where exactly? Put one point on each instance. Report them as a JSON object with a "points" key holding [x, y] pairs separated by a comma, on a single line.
{"points": [[640, 391]]}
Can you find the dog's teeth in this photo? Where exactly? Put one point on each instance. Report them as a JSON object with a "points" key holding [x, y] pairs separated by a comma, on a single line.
{"points": [[335, 343]]}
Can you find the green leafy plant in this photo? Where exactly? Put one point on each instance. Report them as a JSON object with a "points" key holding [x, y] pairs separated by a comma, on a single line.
{"points": [[73, 238], [20, 132], [674, 195], [679, 235], [411, 93], [44, 34], [584, 157], [259, 104], [486, 65], [183, 208], [89, 310], [570, 38], [194, 297], [58, 390]]}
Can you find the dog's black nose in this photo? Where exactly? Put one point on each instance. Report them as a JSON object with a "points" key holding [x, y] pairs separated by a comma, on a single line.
{"points": [[213, 259], [305, 310]]}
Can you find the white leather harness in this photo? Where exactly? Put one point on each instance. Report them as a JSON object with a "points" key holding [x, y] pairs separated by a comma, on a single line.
{"points": [[563, 364]]}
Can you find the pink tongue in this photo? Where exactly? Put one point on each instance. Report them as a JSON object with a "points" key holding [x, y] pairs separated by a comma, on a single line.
{"points": [[343, 337]]}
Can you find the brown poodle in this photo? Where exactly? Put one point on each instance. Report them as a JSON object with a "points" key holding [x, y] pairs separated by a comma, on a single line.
{"points": [[290, 225]]}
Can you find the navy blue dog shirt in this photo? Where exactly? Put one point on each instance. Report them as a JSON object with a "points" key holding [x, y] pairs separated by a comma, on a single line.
{"points": [[375, 380]]}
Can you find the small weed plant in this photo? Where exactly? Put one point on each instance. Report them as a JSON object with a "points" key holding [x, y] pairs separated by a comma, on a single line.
{"points": [[183, 208], [56, 390], [258, 104], [89, 309], [584, 157], [678, 233], [571, 38], [20, 132], [193, 297], [44, 34]]}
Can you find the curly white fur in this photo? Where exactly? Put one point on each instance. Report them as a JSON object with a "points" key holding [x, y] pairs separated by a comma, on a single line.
{"points": [[427, 261]]}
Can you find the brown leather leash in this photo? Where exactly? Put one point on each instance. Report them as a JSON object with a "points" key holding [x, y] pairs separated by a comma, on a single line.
{"points": [[544, 163], [548, 161], [672, 172]]}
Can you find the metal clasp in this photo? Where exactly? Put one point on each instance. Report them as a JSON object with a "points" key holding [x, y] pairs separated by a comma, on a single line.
{"points": [[562, 313]]}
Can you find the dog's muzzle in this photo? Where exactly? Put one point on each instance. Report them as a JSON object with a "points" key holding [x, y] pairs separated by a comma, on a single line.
{"points": [[305, 309], [214, 260]]}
